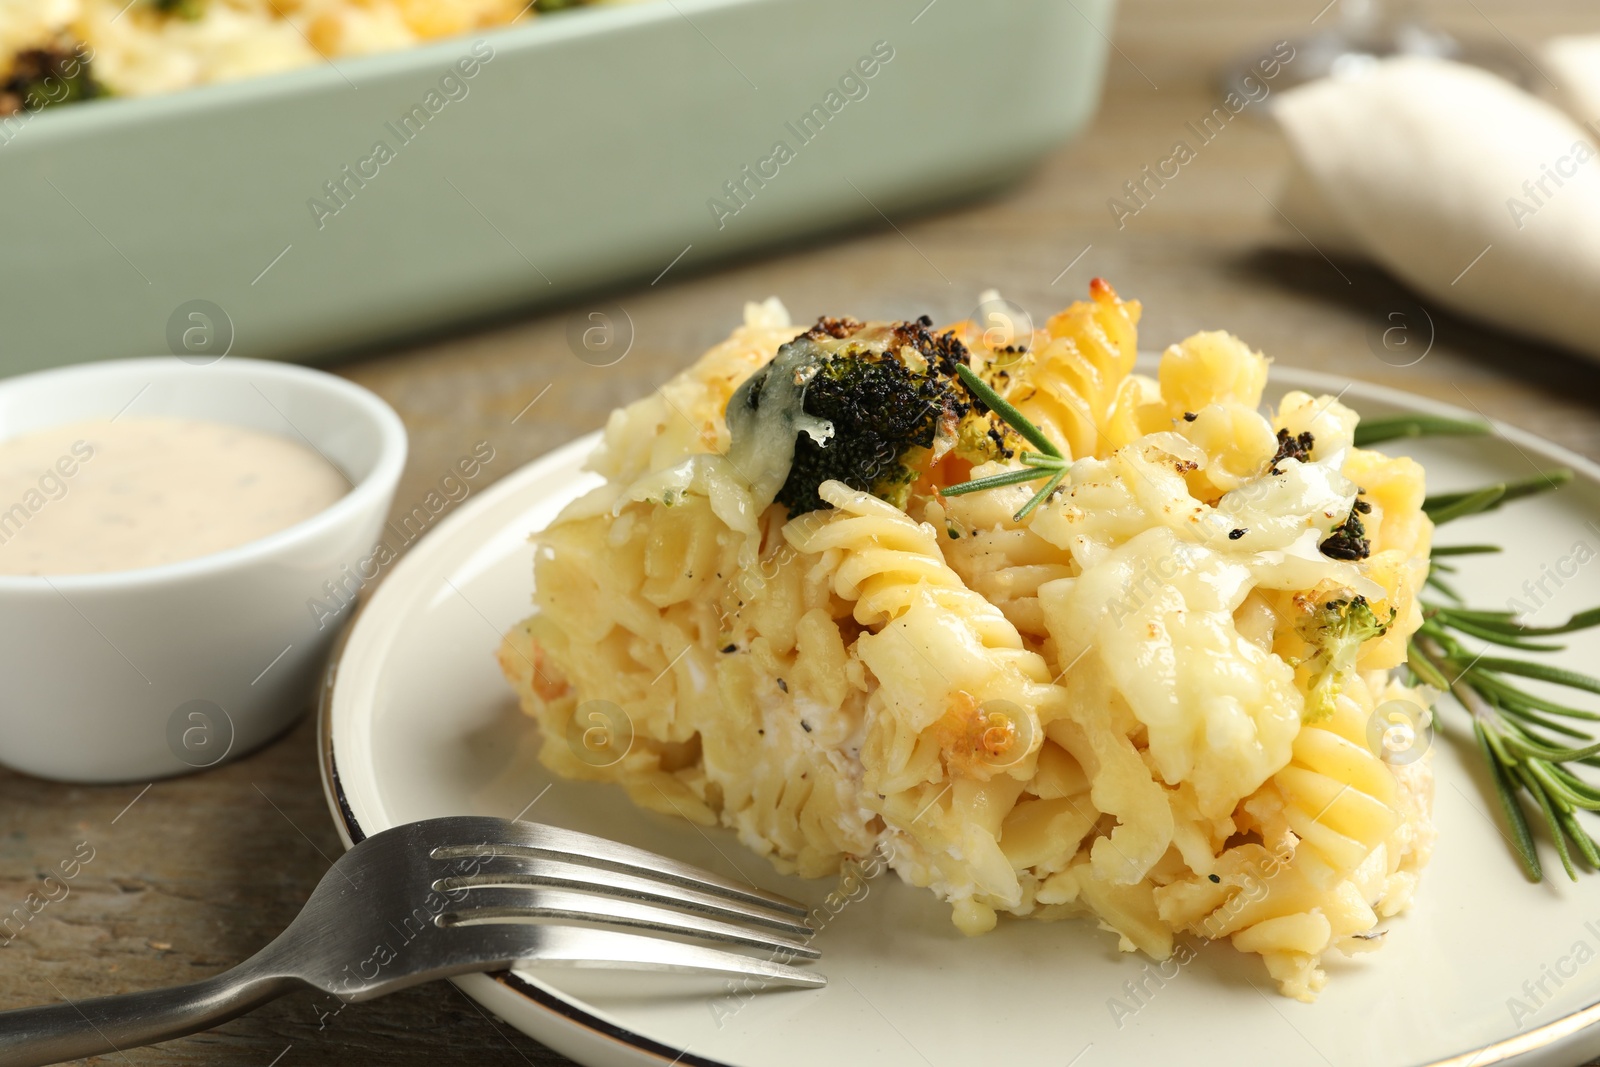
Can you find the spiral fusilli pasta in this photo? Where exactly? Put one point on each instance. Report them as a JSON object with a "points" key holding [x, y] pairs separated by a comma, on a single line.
{"points": [[1119, 704]]}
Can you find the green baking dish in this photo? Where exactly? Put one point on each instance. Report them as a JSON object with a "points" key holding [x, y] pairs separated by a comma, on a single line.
{"points": [[516, 168]]}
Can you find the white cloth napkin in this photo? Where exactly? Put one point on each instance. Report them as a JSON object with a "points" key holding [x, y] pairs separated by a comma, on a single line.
{"points": [[1482, 198], [1573, 63]]}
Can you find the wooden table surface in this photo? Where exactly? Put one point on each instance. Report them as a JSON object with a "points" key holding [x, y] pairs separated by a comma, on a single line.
{"points": [[193, 874]]}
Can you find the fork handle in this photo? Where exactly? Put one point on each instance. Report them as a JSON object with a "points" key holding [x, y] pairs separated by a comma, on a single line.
{"points": [[30, 1037]]}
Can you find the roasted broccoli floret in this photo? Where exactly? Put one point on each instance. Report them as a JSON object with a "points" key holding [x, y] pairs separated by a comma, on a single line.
{"points": [[880, 412], [878, 403], [1336, 631]]}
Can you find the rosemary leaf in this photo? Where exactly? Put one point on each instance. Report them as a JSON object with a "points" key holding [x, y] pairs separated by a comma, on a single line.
{"points": [[1521, 837], [1578, 786], [1536, 771], [1039, 497], [1497, 636], [1527, 715], [995, 481], [1424, 669], [1443, 586], [1581, 838], [1542, 671], [1521, 743], [1013, 418], [1508, 693], [1515, 732], [1499, 622], [1558, 790], [1450, 506], [1485, 618], [1531, 784], [1376, 431], [1462, 550], [1442, 507], [1584, 620]]}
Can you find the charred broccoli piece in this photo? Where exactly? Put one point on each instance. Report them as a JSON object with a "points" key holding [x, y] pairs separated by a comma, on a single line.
{"points": [[882, 413], [886, 397], [1348, 540], [42, 78], [1298, 447], [1336, 631]]}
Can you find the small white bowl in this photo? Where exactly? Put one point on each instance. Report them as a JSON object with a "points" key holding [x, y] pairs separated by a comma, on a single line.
{"points": [[147, 673]]}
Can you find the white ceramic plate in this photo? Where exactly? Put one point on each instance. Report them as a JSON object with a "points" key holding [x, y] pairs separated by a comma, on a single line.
{"points": [[418, 723]]}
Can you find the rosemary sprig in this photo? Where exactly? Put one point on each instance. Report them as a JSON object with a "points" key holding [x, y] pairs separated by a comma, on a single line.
{"points": [[1530, 743], [1047, 463]]}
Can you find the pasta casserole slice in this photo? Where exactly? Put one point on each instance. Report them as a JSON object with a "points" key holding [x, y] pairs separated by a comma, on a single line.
{"points": [[1149, 700]]}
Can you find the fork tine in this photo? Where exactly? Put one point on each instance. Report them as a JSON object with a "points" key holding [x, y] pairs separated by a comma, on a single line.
{"points": [[532, 870], [503, 945], [492, 904], [578, 847]]}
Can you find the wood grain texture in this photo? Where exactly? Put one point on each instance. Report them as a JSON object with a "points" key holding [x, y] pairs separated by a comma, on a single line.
{"points": [[198, 872]]}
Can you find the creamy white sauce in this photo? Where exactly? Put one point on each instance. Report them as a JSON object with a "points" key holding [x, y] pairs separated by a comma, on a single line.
{"points": [[104, 496]]}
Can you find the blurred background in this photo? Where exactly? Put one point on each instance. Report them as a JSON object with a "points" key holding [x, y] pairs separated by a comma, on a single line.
{"points": [[518, 299]]}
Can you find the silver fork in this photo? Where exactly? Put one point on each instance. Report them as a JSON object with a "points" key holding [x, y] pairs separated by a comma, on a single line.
{"points": [[454, 896]]}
